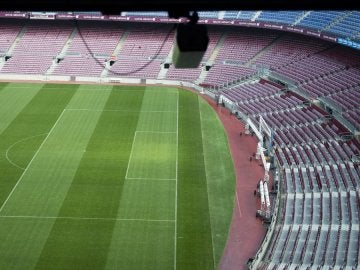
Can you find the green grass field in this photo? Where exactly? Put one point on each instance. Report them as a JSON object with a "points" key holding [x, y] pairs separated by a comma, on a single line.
{"points": [[111, 177]]}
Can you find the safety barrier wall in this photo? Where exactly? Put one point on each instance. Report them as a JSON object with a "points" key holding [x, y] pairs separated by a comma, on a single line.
{"points": [[275, 220]]}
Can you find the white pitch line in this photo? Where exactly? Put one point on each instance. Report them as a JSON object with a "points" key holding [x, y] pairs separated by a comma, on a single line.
{"points": [[32, 159], [134, 111], [131, 153], [17, 142], [90, 218], [157, 132], [151, 179], [176, 187]]}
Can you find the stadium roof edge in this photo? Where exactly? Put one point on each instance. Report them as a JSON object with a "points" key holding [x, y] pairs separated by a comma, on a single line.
{"points": [[116, 6]]}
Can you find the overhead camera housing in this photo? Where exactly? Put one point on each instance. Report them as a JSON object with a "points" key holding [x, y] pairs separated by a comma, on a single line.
{"points": [[191, 43]]}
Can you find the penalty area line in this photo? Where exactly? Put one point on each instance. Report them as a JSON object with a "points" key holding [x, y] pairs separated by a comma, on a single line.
{"points": [[32, 159]]}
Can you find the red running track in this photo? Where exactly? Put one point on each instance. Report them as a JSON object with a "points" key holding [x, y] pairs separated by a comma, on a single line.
{"points": [[246, 231]]}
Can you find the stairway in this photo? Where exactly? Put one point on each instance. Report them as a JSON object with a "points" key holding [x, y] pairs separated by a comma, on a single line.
{"points": [[17, 40], [2, 62], [336, 20], [261, 52], [256, 15], [221, 14], [303, 16], [115, 53], [13, 45], [62, 52], [212, 58], [163, 71]]}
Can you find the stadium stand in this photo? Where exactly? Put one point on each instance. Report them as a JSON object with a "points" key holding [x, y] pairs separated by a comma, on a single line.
{"points": [[289, 48], [85, 55], [317, 155], [8, 32], [340, 23], [319, 19], [145, 14], [348, 26], [30, 56], [245, 15], [287, 17]]}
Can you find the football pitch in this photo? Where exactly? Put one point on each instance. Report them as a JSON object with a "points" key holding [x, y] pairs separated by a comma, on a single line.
{"points": [[111, 177]]}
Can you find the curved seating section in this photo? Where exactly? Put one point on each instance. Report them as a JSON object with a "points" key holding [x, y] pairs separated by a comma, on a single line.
{"points": [[319, 224], [243, 45], [289, 48], [221, 74], [287, 17], [146, 14], [348, 26], [339, 23], [237, 49], [235, 54], [319, 19]]}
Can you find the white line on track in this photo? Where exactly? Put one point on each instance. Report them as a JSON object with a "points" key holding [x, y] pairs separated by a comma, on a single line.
{"points": [[32, 159], [238, 204], [89, 218]]}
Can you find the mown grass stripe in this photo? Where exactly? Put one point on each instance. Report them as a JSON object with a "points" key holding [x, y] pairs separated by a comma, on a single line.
{"points": [[49, 176], [3, 85], [46, 183], [142, 229], [21, 241], [219, 175], [13, 102], [95, 191], [36, 118], [29, 164], [177, 176], [194, 244], [151, 247]]}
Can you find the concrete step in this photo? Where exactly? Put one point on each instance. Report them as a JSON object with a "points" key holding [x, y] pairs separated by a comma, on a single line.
{"points": [[62, 52], [115, 53]]}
